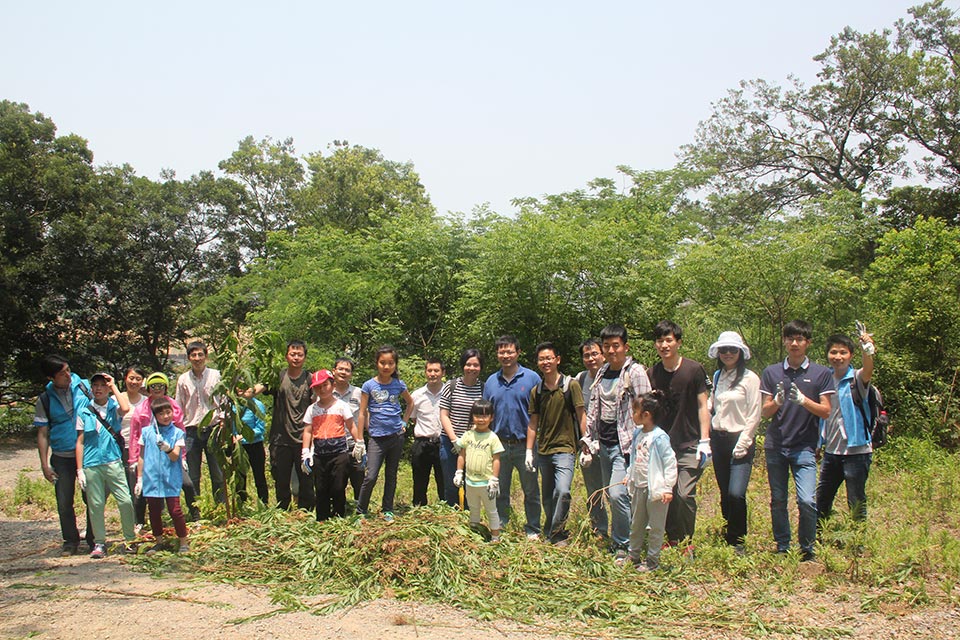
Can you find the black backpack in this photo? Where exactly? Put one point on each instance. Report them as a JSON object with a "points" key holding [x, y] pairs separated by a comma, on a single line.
{"points": [[878, 421]]}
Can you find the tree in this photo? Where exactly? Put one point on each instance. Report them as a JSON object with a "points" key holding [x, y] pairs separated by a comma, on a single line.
{"points": [[272, 177], [927, 106], [356, 188], [43, 178]]}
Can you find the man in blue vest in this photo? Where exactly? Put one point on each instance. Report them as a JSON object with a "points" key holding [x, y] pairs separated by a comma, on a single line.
{"points": [[55, 417]]}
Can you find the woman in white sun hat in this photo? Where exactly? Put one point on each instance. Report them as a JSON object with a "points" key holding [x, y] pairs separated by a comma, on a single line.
{"points": [[735, 415]]}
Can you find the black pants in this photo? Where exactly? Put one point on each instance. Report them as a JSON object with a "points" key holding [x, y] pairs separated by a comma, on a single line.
{"points": [[424, 457], [66, 488], [258, 460], [283, 461], [330, 473]]}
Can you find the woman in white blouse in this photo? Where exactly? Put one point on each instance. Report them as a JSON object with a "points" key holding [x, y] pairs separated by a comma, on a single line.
{"points": [[735, 415]]}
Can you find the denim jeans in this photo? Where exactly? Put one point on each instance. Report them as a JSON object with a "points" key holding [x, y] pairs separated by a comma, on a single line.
{"points": [[803, 466], [851, 470], [383, 449], [513, 457], [592, 482], [613, 469], [66, 488], [198, 445], [556, 476], [448, 462], [424, 461], [733, 476]]}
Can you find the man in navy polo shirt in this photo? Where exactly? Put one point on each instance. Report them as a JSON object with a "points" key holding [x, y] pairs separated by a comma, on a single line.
{"points": [[796, 394], [509, 391]]}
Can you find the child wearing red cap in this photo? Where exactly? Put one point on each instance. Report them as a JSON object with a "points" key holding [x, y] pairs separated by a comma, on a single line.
{"points": [[325, 453]]}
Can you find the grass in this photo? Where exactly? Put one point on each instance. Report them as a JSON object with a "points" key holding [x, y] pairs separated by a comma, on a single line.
{"points": [[906, 556]]}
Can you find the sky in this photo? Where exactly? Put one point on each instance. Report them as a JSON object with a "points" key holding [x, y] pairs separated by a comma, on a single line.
{"points": [[489, 100]]}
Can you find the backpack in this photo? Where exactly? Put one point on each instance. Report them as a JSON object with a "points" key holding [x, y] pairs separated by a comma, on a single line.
{"points": [[878, 421]]}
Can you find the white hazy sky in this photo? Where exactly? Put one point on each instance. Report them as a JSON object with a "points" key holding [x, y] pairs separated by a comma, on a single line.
{"points": [[490, 100]]}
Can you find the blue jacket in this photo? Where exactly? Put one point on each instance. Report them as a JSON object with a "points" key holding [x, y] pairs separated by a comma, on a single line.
{"points": [[854, 428], [99, 446], [63, 422]]}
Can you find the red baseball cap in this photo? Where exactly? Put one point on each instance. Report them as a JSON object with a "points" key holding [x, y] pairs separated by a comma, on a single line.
{"points": [[319, 377]]}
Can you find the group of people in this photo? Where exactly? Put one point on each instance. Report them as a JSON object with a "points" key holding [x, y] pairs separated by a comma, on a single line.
{"points": [[642, 438]]}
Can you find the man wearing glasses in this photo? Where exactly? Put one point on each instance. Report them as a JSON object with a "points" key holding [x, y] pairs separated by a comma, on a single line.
{"points": [[557, 422]]}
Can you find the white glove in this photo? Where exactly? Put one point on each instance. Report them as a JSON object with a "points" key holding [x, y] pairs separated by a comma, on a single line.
{"points": [[528, 462], [359, 449], [306, 461], [183, 463], [868, 348], [589, 446], [458, 478], [138, 488], [704, 452], [741, 449], [132, 467], [456, 445], [493, 487], [585, 459], [796, 396], [780, 396], [166, 448], [82, 479]]}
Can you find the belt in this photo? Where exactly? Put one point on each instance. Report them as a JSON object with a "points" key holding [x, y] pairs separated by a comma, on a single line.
{"points": [[435, 439]]}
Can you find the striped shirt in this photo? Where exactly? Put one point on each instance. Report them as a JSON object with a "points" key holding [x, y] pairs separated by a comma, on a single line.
{"points": [[458, 398]]}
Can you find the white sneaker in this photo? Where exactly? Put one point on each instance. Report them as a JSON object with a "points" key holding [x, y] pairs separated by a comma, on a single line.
{"points": [[533, 536]]}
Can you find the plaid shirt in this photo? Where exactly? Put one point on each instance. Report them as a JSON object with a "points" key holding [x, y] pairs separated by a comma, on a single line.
{"points": [[633, 382]]}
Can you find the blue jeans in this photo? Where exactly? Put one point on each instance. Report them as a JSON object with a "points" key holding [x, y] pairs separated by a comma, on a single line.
{"points": [[733, 476], [836, 470], [448, 463], [556, 476], [592, 482], [613, 469], [803, 466], [383, 449], [513, 457]]}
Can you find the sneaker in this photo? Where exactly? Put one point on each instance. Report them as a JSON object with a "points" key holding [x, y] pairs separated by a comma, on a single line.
{"points": [[533, 536], [137, 529], [70, 549], [494, 539], [620, 557], [643, 567], [807, 556], [184, 547], [99, 552], [688, 553], [388, 516], [129, 549]]}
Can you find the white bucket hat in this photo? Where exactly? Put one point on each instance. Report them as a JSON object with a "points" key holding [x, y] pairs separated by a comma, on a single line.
{"points": [[729, 339]]}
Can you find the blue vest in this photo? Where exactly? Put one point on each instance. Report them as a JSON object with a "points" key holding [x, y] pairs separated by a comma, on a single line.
{"points": [[99, 446], [63, 423]]}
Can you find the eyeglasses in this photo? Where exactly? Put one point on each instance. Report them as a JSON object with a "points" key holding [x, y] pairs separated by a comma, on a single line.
{"points": [[728, 350], [546, 359], [157, 387]]}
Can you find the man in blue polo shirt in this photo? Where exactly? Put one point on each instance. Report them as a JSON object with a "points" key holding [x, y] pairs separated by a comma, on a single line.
{"points": [[509, 391], [796, 394]]}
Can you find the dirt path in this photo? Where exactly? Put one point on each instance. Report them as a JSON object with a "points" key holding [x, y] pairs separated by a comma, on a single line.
{"points": [[45, 596]]}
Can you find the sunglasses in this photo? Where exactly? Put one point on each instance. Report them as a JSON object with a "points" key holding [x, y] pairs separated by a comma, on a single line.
{"points": [[728, 350], [158, 386]]}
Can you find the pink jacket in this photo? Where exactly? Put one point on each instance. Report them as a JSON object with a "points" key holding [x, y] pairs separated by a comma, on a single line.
{"points": [[143, 416]]}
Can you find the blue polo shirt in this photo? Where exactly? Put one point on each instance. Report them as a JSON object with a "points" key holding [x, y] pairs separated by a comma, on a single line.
{"points": [[792, 427], [510, 401]]}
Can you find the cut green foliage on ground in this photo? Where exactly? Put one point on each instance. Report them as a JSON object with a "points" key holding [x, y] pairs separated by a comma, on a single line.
{"points": [[908, 555]]}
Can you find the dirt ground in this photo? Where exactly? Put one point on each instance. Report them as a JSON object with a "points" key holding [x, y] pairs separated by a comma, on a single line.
{"points": [[45, 596]]}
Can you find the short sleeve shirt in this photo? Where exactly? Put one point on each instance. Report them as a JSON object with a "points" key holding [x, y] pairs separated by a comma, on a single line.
{"points": [[329, 426], [458, 398], [683, 388], [383, 405], [792, 427], [479, 450], [558, 429]]}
